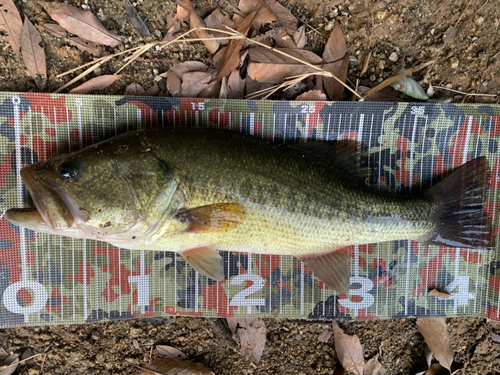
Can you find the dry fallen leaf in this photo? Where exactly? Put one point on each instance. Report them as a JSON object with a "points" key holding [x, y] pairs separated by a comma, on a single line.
{"points": [[193, 83], [186, 67], [33, 53], [435, 333], [300, 37], [232, 56], [81, 22], [217, 20], [312, 95], [9, 364], [196, 21], [55, 29], [136, 20], [374, 367], [134, 89], [349, 350], [97, 83], [325, 335], [438, 294], [84, 45], [176, 366], [336, 62], [11, 23], [252, 333], [235, 86], [269, 11], [169, 352], [174, 83]]}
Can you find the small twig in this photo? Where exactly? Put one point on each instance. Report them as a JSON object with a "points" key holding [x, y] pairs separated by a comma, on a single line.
{"points": [[43, 363], [312, 28], [81, 75], [464, 93], [391, 80], [18, 362]]}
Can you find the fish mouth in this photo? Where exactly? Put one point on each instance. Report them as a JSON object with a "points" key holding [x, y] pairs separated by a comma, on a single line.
{"points": [[51, 213]]}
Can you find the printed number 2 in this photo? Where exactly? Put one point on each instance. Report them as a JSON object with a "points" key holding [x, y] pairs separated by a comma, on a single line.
{"points": [[198, 106], [307, 108], [241, 299]]}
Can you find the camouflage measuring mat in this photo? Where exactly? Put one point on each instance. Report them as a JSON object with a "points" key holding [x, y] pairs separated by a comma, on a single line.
{"points": [[46, 279]]}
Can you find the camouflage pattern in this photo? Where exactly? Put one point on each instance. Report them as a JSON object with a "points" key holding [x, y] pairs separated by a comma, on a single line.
{"points": [[46, 279]]}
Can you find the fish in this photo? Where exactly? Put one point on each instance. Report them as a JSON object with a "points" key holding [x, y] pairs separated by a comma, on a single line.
{"points": [[198, 191]]}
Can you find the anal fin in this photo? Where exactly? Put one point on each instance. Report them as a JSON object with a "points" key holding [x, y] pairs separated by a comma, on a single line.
{"points": [[206, 261], [332, 268]]}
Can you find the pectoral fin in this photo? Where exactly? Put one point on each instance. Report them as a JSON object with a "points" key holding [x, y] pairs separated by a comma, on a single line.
{"points": [[206, 261], [331, 268], [218, 217]]}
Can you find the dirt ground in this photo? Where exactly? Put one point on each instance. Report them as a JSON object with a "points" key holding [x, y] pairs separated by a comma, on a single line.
{"points": [[467, 58]]}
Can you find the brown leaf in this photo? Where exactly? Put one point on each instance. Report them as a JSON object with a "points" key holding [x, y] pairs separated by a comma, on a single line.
{"points": [[235, 86], [336, 59], [300, 37], [182, 13], [275, 73], [153, 90], [97, 83], [81, 22], [270, 11], [9, 364], [11, 23], [136, 20], [264, 55], [349, 350], [438, 294], [186, 67], [134, 89], [174, 83], [177, 366], [312, 95], [193, 83], [196, 21], [325, 335], [211, 91], [278, 37], [435, 333], [387, 94], [252, 333], [232, 56], [169, 352], [55, 29], [84, 45], [374, 367], [33, 54], [216, 20]]}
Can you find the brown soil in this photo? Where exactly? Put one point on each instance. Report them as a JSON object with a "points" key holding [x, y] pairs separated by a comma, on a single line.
{"points": [[468, 61]]}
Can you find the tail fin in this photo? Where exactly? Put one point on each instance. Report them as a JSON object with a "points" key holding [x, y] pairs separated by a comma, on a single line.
{"points": [[461, 197]]}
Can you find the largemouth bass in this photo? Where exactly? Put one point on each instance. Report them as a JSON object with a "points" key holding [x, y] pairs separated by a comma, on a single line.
{"points": [[195, 191]]}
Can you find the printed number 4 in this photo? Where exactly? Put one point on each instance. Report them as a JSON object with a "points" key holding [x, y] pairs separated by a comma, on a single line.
{"points": [[198, 106], [241, 299]]}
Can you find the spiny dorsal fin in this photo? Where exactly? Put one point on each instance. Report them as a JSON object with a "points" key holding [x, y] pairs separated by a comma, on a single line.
{"points": [[206, 261], [331, 268], [213, 218], [347, 154]]}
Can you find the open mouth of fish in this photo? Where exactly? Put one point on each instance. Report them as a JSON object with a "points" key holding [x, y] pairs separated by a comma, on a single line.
{"points": [[51, 212]]}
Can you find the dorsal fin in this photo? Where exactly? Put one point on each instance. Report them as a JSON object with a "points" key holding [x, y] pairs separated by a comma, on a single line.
{"points": [[346, 154]]}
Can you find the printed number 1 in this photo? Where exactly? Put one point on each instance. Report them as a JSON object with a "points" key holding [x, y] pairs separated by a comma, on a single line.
{"points": [[198, 106]]}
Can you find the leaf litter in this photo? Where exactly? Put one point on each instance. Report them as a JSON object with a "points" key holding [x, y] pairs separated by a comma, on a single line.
{"points": [[11, 23], [252, 334], [435, 333], [33, 54]]}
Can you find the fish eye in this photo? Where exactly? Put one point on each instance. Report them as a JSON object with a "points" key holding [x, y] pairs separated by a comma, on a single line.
{"points": [[69, 170]]}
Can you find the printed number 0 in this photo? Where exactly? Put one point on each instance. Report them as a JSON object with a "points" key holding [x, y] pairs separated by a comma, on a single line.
{"points": [[240, 298]]}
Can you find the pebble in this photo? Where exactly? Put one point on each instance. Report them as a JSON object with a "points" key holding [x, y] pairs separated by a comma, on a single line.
{"points": [[330, 25], [135, 344], [97, 71], [394, 57], [453, 62], [135, 332]]}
